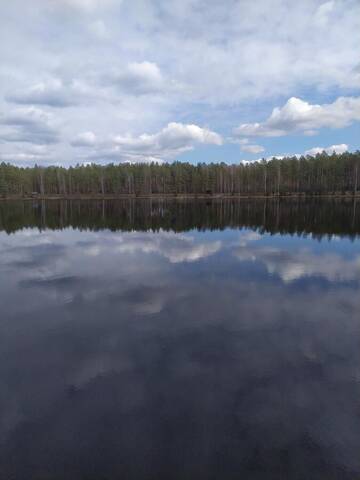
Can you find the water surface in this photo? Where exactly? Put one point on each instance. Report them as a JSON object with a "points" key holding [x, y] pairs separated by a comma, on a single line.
{"points": [[180, 340]]}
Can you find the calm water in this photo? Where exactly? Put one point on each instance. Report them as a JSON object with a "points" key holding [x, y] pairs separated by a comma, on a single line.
{"points": [[178, 340]]}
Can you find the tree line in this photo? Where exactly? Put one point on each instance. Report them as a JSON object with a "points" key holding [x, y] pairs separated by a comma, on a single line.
{"points": [[322, 174]]}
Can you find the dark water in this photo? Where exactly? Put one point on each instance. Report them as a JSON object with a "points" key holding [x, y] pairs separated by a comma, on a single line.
{"points": [[178, 340]]}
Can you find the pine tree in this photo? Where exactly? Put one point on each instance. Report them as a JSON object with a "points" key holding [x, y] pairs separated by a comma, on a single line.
{"points": [[3, 187]]}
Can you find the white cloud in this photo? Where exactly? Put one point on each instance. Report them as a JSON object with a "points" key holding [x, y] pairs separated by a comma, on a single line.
{"points": [[300, 116], [171, 141], [253, 148], [50, 93], [167, 144], [324, 11], [26, 116], [20, 158], [86, 6], [29, 125], [53, 93], [85, 139], [26, 154], [341, 148], [98, 28], [139, 78]]}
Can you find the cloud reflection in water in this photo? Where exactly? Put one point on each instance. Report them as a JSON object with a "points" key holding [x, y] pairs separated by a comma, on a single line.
{"points": [[128, 353]]}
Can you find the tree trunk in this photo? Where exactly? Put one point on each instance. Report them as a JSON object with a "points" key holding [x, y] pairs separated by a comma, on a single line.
{"points": [[356, 180]]}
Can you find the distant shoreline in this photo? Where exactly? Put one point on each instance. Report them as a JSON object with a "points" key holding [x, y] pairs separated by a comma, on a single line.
{"points": [[180, 196]]}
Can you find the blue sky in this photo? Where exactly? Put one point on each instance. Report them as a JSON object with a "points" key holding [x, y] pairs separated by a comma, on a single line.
{"points": [[191, 80]]}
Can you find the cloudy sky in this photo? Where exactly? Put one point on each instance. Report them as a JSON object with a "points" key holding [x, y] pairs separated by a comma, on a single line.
{"points": [[193, 80]]}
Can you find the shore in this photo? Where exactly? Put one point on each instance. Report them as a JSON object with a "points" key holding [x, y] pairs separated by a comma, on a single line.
{"points": [[178, 196]]}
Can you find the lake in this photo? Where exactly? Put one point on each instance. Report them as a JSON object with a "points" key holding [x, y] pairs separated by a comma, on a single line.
{"points": [[163, 339]]}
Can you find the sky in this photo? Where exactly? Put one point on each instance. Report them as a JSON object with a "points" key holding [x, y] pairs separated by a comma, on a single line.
{"points": [[190, 80]]}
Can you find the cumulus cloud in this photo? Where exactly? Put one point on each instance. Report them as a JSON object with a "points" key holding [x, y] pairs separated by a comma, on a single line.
{"points": [[173, 136], [19, 158], [50, 93], [167, 144], [27, 154], [139, 78], [341, 148], [29, 125], [98, 28], [324, 12], [85, 139], [86, 6], [53, 92], [172, 140], [253, 148], [300, 116]]}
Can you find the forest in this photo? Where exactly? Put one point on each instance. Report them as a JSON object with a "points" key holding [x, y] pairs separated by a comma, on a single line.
{"points": [[306, 175]]}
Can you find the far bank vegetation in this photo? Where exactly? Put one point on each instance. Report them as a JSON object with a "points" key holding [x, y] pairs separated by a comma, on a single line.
{"points": [[321, 175]]}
